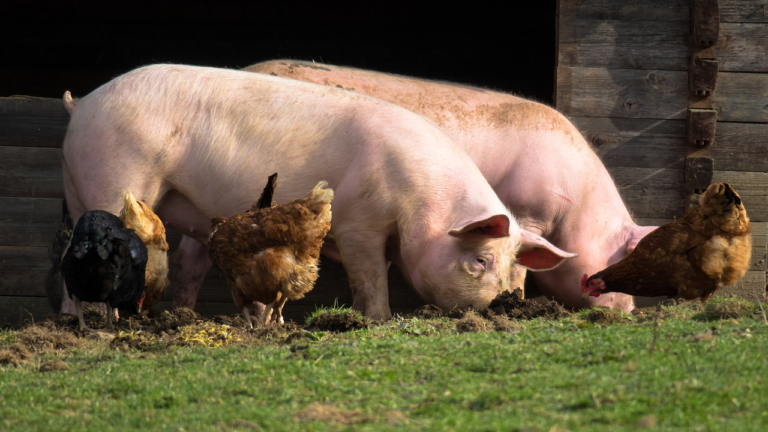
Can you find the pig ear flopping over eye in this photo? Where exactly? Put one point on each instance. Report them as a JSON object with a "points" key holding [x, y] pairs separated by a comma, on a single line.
{"points": [[494, 227], [537, 254]]}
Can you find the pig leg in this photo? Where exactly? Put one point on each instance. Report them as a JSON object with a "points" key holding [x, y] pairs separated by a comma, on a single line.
{"points": [[365, 262], [190, 264]]}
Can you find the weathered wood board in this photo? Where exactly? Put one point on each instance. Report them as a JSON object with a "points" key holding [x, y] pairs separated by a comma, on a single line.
{"points": [[659, 10], [656, 94], [657, 45], [651, 143]]}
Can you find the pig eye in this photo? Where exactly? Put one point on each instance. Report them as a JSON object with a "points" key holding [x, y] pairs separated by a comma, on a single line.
{"points": [[481, 261]]}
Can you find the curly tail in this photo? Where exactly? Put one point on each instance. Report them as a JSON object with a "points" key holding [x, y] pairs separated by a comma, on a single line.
{"points": [[69, 103]]}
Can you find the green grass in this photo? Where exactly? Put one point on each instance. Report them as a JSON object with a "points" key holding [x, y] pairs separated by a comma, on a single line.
{"points": [[417, 374]]}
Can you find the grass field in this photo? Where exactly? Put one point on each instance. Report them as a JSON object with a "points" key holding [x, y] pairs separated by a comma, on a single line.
{"points": [[681, 368]]}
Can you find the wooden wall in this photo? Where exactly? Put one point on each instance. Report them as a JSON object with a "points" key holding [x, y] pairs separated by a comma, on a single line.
{"points": [[622, 78], [31, 193]]}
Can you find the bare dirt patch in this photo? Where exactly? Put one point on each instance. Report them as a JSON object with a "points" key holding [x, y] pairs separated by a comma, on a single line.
{"points": [[513, 306], [338, 321], [427, 312], [472, 322], [330, 414]]}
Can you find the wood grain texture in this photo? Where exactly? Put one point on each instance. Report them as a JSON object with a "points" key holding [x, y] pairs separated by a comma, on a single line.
{"points": [[624, 44], [738, 11], [626, 93], [631, 43], [650, 193], [650, 10], [648, 143], [32, 122], [661, 10], [751, 287], [623, 93], [30, 172]]}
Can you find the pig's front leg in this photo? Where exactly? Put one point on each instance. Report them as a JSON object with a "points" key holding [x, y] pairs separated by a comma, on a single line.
{"points": [[365, 262], [190, 264]]}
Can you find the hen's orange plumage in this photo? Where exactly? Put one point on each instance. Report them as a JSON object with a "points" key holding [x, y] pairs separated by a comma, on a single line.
{"points": [[692, 257], [138, 216], [271, 254]]}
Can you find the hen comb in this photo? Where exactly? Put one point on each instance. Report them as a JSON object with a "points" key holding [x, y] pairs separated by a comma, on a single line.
{"points": [[584, 282]]}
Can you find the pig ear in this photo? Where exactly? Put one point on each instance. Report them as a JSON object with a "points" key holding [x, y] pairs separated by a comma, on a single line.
{"points": [[538, 254], [495, 226]]}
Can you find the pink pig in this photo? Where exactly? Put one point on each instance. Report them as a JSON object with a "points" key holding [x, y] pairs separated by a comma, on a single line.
{"points": [[196, 142], [534, 158]]}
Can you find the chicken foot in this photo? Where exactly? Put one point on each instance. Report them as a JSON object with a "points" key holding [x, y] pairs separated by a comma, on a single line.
{"points": [[79, 311]]}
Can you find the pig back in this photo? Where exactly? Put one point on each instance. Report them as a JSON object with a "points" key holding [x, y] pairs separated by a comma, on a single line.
{"points": [[214, 134]]}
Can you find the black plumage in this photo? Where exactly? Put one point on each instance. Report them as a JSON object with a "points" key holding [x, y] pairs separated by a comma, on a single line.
{"points": [[105, 263]]}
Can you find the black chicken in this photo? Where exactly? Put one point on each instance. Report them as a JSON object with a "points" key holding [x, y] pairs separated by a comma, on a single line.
{"points": [[105, 263]]}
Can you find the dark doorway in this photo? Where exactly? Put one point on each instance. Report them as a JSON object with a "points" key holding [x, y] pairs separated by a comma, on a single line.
{"points": [[52, 46]]}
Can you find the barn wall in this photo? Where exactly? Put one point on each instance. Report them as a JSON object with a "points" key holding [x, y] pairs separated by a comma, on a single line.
{"points": [[31, 193], [622, 78]]}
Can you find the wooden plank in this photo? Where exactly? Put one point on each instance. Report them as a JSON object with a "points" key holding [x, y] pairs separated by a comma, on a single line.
{"points": [[649, 143], [734, 11], [641, 143], [654, 94], [650, 193], [623, 93], [15, 311], [741, 147], [30, 172], [742, 47], [653, 45], [742, 97], [659, 193], [743, 11], [750, 287], [624, 44], [650, 10], [759, 246], [22, 257], [23, 281], [32, 122], [746, 183], [20, 210], [33, 107], [31, 234]]}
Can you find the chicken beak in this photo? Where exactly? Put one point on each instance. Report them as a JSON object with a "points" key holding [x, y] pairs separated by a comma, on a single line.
{"points": [[585, 294]]}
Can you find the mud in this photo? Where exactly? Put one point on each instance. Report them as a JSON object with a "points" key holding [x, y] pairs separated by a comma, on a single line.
{"points": [[513, 306], [472, 322], [427, 312], [338, 321]]}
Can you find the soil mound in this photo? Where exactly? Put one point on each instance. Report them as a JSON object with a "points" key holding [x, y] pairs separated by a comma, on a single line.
{"points": [[513, 306]]}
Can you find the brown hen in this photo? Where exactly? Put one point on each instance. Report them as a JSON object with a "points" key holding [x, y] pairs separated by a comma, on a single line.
{"points": [[692, 257], [270, 254], [138, 216]]}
